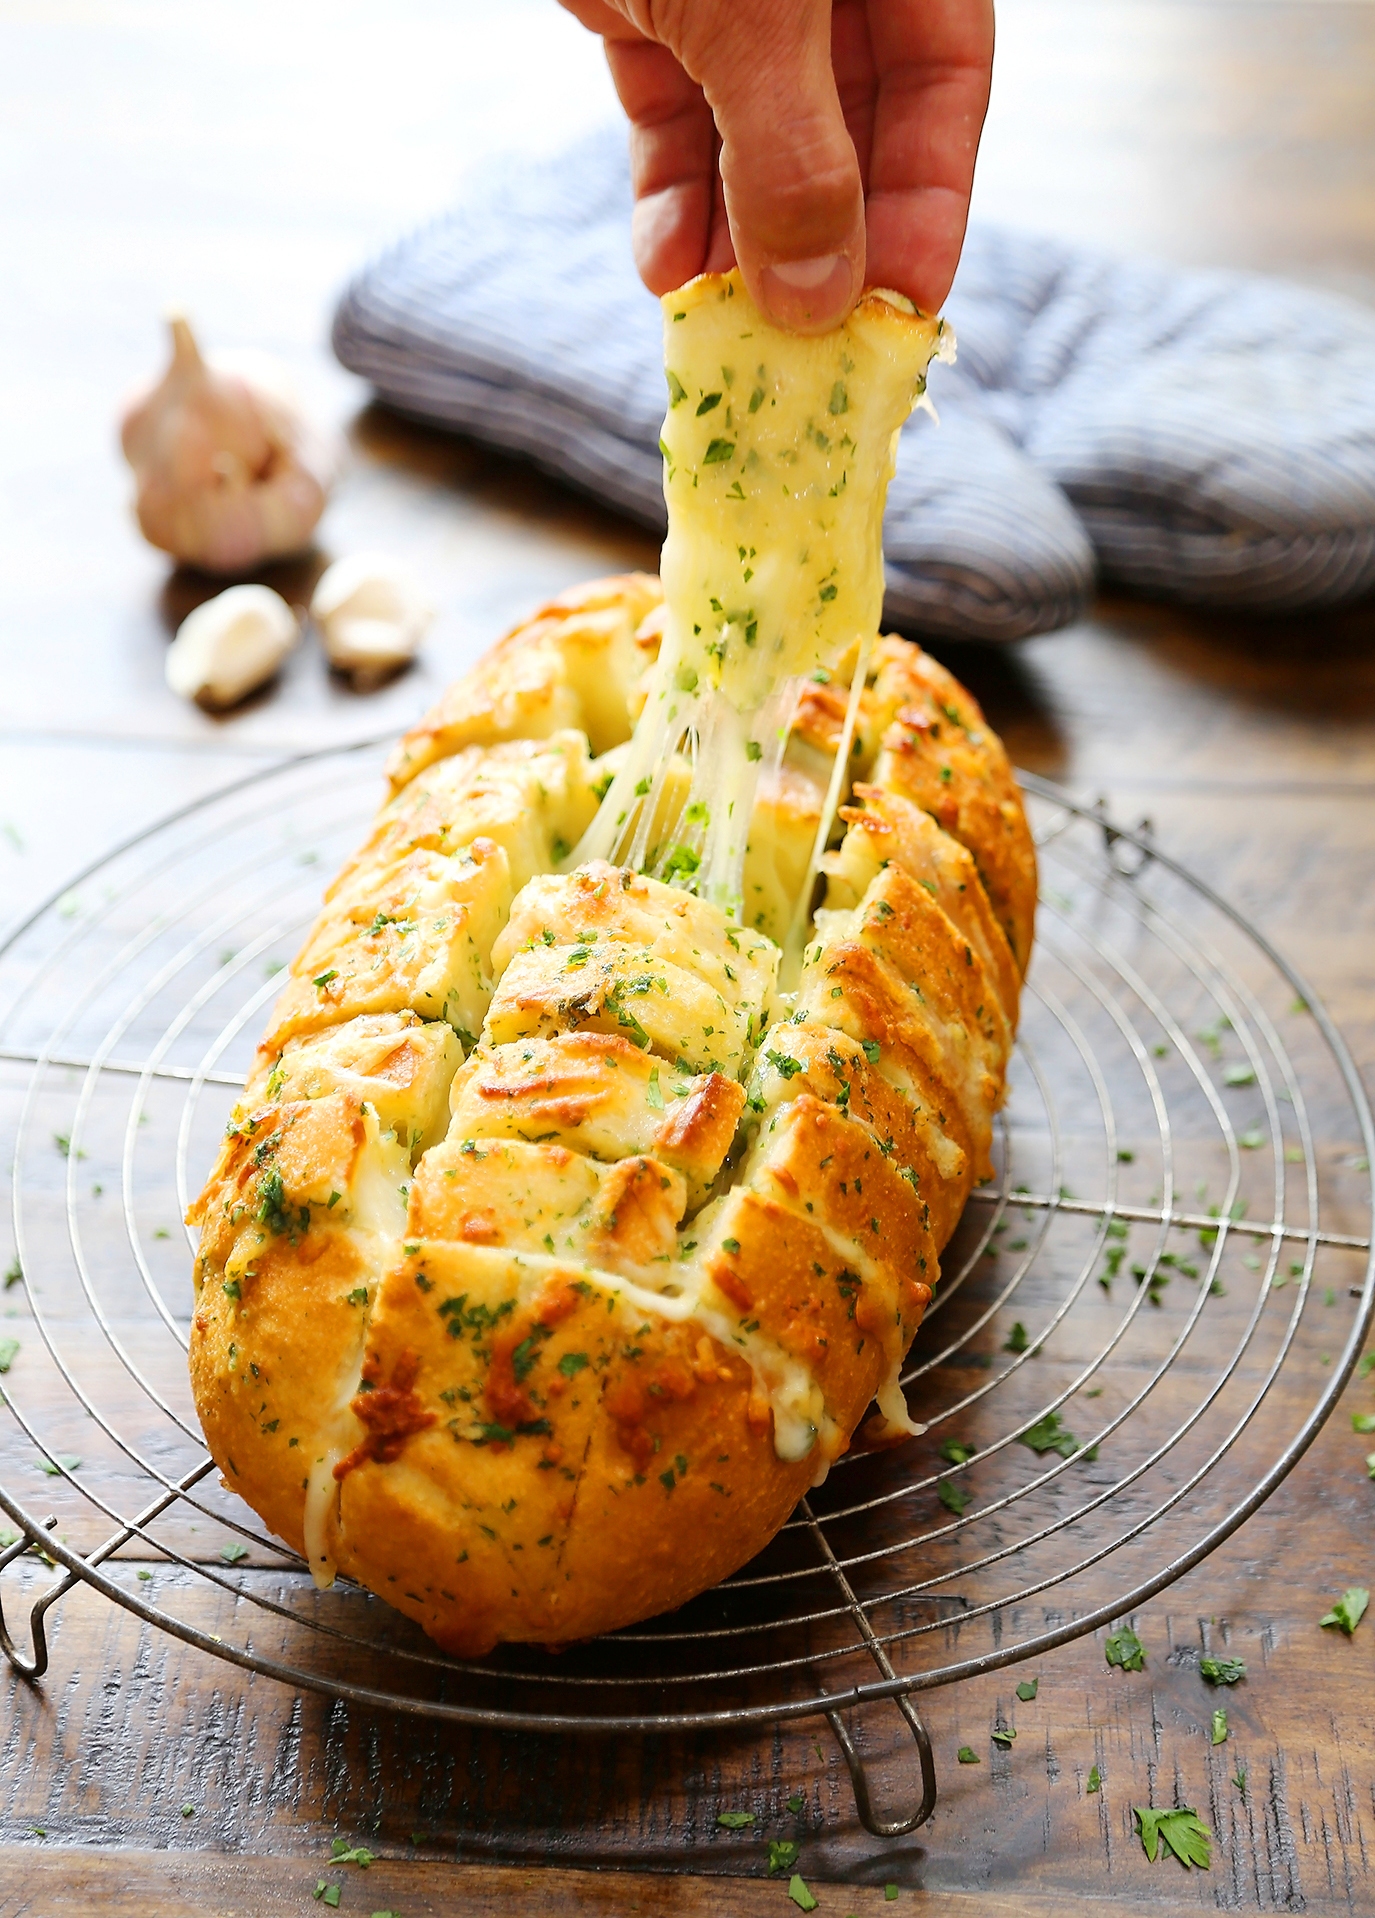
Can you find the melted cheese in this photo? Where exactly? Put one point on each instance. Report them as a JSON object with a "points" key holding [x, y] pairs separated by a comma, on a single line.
{"points": [[377, 1223], [777, 450]]}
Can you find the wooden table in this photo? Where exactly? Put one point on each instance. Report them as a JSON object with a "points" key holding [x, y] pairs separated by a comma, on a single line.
{"points": [[242, 160]]}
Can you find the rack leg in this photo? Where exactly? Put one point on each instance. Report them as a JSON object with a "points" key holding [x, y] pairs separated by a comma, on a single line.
{"points": [[864, 1804], [31, 1667]]}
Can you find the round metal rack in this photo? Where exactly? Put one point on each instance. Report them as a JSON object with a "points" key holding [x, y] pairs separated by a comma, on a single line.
{"points": [[1143, 1320]]}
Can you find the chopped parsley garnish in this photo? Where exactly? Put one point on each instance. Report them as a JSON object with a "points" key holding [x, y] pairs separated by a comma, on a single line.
{"points": [[1094, 1781], [677, 392], [9, 1352], [782, 1854], [653, 1096], [968, 1756], [840, 402], [232, 1553], [788, 1067], [1003, 1735], [718, 451], [800, 1895], [753, 749], [828, 591], [1017, 1341], [1049, 1435], [955, 1452], [708, 403], [1124, 1649], [872, 1049], [1028, 1689], [342, 1853], [730, 1245], [322, 979], [953, 1497], [1221, 1671], [1349, 1609], [1187, 1837], [572, 1363], [1219, 1727], [735, 1820]]}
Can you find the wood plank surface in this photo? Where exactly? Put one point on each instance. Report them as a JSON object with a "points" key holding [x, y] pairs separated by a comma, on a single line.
{"points": [[243, 162]]}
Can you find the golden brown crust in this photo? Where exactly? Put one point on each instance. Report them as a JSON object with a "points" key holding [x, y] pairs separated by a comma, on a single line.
{"points": [[540, 1341]]}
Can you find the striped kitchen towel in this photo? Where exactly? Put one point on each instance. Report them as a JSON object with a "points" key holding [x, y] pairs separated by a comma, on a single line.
{"points": [[1210, 436]]}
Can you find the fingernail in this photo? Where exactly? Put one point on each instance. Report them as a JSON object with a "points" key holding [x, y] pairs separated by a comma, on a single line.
{"points": [[808, 295]]}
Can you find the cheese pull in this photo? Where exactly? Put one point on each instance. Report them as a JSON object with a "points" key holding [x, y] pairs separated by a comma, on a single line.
{"points": [[778, 451]]}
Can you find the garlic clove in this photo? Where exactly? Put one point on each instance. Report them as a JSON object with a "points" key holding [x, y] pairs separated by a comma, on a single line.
{"points": [[231, 645], [229, 470], [371, 615]]}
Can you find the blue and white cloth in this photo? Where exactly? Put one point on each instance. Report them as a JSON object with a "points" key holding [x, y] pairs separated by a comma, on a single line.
{"points": [[1204, 436]]}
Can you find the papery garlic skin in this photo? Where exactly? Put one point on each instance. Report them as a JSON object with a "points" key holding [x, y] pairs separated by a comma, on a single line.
{"points": [[230, 471], [371, 615], [231, 645]]}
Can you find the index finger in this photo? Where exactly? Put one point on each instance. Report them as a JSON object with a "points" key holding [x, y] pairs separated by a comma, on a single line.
{"points": [[933, 61]]}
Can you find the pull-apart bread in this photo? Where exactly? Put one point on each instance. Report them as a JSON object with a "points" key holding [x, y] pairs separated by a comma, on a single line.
{"points": [[554, 1249]]}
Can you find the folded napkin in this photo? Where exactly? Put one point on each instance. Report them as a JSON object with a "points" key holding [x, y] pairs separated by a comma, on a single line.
{"points": [[1208, 436]]}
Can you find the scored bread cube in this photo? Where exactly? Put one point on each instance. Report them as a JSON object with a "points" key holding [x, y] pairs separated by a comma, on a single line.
{"points": [[575, 664], [534, 798], [601, 1095], [897, 976], [607, 949], [544, 1199], [416, 940], [886, 830], [400, 1064]]}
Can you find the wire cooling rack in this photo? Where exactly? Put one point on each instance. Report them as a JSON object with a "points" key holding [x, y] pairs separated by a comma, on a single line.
{"points": [[1143, 1322]]}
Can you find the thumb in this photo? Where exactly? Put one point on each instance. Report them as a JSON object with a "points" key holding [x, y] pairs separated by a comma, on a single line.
{"points": [[794, 196]]}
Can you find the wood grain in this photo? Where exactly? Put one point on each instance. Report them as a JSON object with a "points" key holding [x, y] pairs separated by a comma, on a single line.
{"points": [[148, 153]]}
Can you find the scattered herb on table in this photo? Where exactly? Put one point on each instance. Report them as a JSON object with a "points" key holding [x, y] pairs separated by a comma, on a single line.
{"points": [[9, 1352], [1182, 1830], [1219, 1727], [1003, 1735], [1239, 1779], [231, 1554], [968, 1756], [782, 1855], [59, 1462], [1049, 1435], [1027, 1690], [14, 1273], [1221, 1671], [342, 1853], [1349, 1609], [955, 1452], [735, 1820], [797, 1889], [1095, 1781], [188, 1811], [953, 1497], [1017, 1340], [1124, 1648], [795, 1804], [329, 1894], [890, 1893]]}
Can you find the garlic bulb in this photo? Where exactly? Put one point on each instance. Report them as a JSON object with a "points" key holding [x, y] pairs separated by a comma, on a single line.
{"points": [[229, 470], [371, 616], [231, 645]]}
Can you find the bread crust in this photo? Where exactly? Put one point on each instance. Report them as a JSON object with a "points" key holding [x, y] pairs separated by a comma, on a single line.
{"points": [[541, 1340]]}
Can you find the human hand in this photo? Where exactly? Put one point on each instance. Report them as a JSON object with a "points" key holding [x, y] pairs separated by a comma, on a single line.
{"points": [[846, 132]]}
